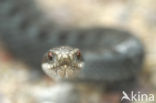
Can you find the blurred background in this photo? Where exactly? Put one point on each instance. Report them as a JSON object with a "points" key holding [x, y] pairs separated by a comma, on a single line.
{"points": [[138, 16]]}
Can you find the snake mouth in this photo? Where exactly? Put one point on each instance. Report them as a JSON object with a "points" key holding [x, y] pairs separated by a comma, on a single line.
{"points": [[66, 71], [61, 71], [65, 66]]}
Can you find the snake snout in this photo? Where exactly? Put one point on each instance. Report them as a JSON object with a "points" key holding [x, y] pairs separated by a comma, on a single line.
{"points": [[64, 60]]}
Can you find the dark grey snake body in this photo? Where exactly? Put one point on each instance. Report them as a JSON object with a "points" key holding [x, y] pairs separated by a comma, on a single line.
{"points": [[110, 54]]}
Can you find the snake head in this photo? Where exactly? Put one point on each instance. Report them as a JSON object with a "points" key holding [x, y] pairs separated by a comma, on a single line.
{"points": [[62, 62]]}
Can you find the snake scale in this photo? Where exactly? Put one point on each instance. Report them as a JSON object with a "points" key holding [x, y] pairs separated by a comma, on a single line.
{"points": [[110, 54]]}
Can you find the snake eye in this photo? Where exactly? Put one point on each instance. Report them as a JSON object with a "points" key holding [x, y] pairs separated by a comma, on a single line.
{"points": [[78, 54], [50, 55]]}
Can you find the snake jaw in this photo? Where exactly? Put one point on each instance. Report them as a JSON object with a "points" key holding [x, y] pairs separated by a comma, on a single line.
{"points": [[64, 64], [59, 72]]}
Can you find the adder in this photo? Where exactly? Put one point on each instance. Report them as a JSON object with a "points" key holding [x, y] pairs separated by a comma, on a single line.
{"points": [[82, 85], [28, 34], [110, 54]]}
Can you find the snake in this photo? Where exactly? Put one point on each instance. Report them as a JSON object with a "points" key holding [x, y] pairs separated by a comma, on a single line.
{"points": [[109, 54], [62, 62]]}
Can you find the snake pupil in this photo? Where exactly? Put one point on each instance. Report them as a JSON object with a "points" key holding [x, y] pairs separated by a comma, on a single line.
{"points": [[78, 54], [50, 55]]}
